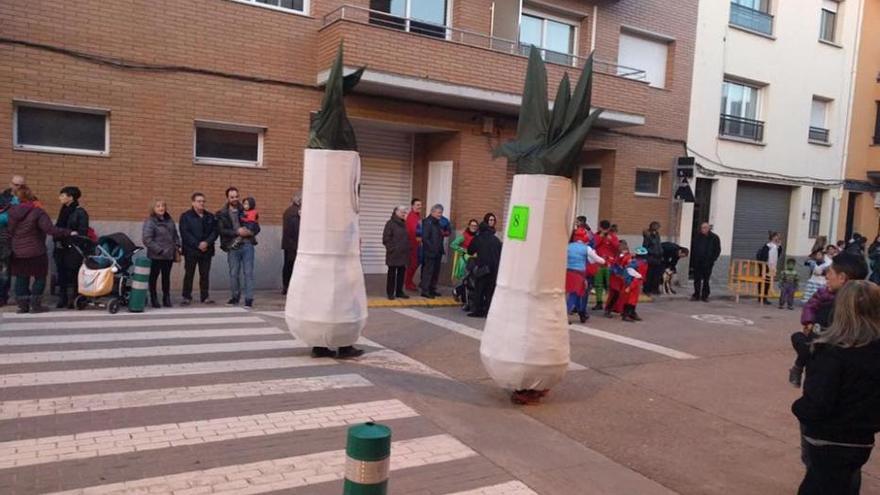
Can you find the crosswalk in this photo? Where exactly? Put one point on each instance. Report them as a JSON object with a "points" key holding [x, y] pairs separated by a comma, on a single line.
{"points": [[213, 400]]}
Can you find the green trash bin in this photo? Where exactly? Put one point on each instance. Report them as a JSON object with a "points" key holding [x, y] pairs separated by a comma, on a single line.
{"points": [[367, 456], [140, 282]]}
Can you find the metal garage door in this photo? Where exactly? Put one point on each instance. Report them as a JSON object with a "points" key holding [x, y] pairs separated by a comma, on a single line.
{"points": [[760, 208], [386, 182]]}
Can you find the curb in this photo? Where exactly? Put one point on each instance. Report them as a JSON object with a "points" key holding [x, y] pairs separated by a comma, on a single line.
{"points": [[415, 302]]}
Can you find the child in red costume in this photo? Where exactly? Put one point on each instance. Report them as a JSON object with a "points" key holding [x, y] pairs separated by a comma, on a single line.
{"points": [[625, 283]]}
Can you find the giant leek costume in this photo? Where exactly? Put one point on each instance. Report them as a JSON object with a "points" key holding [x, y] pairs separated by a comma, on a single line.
{"points": [[327, 300], [525, 344]]}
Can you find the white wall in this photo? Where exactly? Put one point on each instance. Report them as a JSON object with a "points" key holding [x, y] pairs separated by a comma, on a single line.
{"points": [[795, 66]]}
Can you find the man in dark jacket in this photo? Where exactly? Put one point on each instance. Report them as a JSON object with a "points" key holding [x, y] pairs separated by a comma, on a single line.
{"points": [[651, 241], [198, 234], [705, 250], [290, 238], [487, 249], [432, 252], [240, 256]]}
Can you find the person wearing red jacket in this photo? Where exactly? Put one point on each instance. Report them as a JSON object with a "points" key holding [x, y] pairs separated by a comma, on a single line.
{"points": [[607, 246], [627, 276], [413, 220]]}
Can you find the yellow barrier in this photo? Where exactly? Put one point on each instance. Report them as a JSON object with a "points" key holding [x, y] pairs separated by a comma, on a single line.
{"points": [[748, 277]]}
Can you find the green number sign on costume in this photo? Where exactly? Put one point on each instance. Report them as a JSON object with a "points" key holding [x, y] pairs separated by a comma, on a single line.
{"points": [[368, 453], [519, 223]]}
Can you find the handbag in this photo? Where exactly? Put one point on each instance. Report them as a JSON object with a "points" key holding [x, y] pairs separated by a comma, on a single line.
{"points": [[481, 271]]}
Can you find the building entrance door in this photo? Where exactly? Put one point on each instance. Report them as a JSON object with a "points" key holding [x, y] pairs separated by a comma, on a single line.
{"points": [[589, 194]]}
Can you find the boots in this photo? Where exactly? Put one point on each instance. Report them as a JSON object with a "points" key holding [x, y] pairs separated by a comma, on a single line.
{"points": [[37, 305], [166, 300], [24, 305], [64, 300], [154, 300]]}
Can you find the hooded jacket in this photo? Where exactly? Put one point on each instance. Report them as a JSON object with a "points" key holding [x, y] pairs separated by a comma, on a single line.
{"points": [[396, 241], [28, 226], [841, 399]]}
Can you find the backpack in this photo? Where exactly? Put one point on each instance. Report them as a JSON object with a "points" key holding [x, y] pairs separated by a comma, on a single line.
{"points": [[763, 254]]}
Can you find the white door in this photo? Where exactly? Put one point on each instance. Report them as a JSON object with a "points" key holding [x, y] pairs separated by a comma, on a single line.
{"points": [[439, 187], [588, 195], [386, 182]]}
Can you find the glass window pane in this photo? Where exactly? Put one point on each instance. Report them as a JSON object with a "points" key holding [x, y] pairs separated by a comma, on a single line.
{"points": [[61, 128], [293, 4], [558, 37], [394, 7], [591, 177], [530, 30], [827, 25], [227, 144], [647, 182], [433, 11]]}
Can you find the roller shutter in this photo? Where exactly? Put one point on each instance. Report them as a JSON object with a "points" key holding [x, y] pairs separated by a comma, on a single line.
{"points": [[386, 182], [760, 208]]}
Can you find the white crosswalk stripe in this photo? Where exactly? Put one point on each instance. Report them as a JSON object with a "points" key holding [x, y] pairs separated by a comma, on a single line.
{"points": [[284, 474], [509, 488], [128, 352], [151, 313], [110, 442], [157, 370], [132, 323], [115, 337], [175, 395]]}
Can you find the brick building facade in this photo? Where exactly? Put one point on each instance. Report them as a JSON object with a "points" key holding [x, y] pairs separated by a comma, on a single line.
{"points": [[159, 72]]}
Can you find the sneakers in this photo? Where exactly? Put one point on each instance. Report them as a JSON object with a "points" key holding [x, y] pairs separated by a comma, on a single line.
{"points": [[233, 301], [583, 317], [248, 304], [794, 376], [348, 352], [208, 301]]}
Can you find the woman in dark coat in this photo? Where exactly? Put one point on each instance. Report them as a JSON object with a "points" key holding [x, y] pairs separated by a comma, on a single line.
{"points": [[652, 242], [397, 250], [28, 226], [487, 249], [163, 248], [67, 259]]}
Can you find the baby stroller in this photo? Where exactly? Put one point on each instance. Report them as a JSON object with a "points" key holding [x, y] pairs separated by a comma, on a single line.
{"points": [[106, 272], [463, 292]]}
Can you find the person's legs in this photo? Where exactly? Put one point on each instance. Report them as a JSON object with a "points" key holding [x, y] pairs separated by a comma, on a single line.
{"points": [[600, 282], [204, 278], [833, 469], [166, 282], [248, 267], [571, 302], [23, 293], [287, 271], [390, 279], [62, 280], [5, 281], [155, 269], [479, 301], [399, 274], [412, 267], [612, 301], [435, 275], [427, 271], [36, 290], [233, 257], [189, 270]]}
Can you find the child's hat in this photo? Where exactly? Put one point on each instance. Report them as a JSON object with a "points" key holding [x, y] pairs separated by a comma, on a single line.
{"points": [[641, 251]]}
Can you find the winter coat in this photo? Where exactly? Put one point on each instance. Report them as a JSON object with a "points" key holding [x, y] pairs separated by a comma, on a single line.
{"points": [[705, 249], [290, 228], [227, 228], [28, 227], [7, 201], [76, 219], [651, 242], [819, 309], [841, 402], [396, 242], [670, 255], [195, 229], [432, 238], [160, 237], [487, 248]]}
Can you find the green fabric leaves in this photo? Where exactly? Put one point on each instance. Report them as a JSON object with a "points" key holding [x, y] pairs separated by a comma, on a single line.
{"points": [[331, 130]]}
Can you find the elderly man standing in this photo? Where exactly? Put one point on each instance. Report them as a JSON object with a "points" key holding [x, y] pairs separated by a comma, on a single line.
{"points": [[7, 200], [290, 238], [705, 250], [432, 251]]}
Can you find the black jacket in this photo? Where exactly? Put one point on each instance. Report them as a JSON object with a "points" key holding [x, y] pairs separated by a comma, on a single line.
{"points": [[651, 242], [841, 400], [226, 229], [432, 238], [396, 242], [487, 248], [705, 249], [670, 255], [290, 229], [195, 229]]}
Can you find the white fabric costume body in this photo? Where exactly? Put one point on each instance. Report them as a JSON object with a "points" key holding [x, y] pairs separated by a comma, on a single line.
{"points": [[525, 344], [327, 299]]}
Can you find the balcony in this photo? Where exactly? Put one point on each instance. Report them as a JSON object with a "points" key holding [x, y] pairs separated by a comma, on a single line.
{"points": [[751, 19], [819, 135], [741, 128], [414, 60]]}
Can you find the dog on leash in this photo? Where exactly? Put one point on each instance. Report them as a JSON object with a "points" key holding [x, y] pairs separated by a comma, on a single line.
{"points": [[667, 281]]}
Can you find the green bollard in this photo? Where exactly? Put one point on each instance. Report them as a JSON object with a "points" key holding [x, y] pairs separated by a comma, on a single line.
{"points": [[139, 284], [368, 452]]}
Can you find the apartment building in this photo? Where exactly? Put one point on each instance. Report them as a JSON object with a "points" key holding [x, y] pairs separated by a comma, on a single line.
{"points": [[768, 123], [860, 203], [138, 100]]}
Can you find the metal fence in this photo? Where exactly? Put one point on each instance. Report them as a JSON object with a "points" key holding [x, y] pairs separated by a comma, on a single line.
{"points": [[742, 128], [751, 19]]}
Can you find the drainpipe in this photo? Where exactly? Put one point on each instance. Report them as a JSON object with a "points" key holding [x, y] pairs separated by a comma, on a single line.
{"points": [[593, 28]]}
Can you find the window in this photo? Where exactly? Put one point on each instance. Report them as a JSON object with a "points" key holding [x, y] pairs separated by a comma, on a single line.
{"points": [[648, 182], [555, 37], [753, 15], [877, 125], [228, 144], [61, 129], [739, 111], [426, 17], [299, 6], [591, 177], [818, 116], [649, 55], [816, 212], [828, 21]]}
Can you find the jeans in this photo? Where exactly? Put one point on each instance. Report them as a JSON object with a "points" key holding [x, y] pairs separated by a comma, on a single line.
{"points": [[163, 268], [832, 469], [241, 260], [394, 280], [5, 280], [702, 274], [24, 288], [203, 262], [430, 275], [287, 271]]}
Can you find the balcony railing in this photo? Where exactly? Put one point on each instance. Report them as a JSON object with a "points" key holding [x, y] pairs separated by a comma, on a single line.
{"points": [[751, 19], [741, 128], [363, 15], [819, 134]]}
